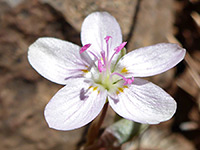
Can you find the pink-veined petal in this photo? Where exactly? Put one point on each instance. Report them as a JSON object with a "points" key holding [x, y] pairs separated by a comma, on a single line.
{"points": [[96, 27], [143, 102], [57, 60], [150, 60], [75, 105]]}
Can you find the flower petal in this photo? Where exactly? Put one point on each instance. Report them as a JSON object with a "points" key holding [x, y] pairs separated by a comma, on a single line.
{"points": [[143, 102], [75, 105], [98, 26], [56, 59], [150, 60]]}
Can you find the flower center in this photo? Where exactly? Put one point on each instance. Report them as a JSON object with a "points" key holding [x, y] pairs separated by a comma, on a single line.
{"points": [[106, 77]]}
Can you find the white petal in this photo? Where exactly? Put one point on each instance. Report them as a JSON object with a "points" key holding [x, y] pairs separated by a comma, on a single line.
{"points": [[151, 60], [56, 59], [96, 27], [143, 102], [75, 105]]}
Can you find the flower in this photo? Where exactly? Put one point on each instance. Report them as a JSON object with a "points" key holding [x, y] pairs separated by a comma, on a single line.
{"points": [[98, 72]]}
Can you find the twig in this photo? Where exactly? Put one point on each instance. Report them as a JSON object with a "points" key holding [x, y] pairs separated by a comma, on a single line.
{"points": [[130, 35]]}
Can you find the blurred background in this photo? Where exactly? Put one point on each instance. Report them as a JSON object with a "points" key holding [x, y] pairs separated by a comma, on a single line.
{"points": [[24, 94]]}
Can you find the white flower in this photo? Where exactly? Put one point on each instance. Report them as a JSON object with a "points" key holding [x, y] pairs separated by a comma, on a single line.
{"points": [[97, 72]]}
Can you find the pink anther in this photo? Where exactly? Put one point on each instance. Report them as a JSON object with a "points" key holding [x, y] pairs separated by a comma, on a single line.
{"points": [[119, 48], [84, 48], [129, 81]]}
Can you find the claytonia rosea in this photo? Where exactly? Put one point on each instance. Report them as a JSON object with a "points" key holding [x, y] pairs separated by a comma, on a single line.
{"points": [[98, 72]]}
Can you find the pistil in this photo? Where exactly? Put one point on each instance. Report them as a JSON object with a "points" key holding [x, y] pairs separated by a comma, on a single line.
{"points": [[107, 44], [104, 63]]}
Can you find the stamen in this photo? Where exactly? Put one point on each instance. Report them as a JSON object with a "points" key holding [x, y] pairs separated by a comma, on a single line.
{"points": [[84, 48], [101, 66], [93, 54], [127, 80], [119, 48]]}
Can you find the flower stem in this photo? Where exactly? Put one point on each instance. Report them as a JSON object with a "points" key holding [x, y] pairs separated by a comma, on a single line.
{"points": [[93, 131]]}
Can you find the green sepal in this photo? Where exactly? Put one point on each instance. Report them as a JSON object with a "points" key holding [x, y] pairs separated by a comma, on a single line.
{"points": [[124, 130]]}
